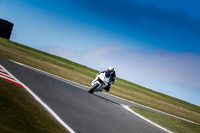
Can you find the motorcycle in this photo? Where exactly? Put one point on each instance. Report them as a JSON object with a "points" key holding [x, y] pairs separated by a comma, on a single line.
{"points": [[100, 82]]}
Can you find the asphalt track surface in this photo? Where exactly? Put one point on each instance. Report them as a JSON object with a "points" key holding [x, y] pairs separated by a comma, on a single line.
{"points": [[83, 112]]}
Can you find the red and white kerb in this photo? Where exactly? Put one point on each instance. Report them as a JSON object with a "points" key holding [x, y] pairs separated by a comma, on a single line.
{"points": [[8, 76]]}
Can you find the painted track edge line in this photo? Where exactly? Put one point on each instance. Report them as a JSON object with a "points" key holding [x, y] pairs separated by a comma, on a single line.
{"points": [[48, 73], [43, 104], [130, 110]]}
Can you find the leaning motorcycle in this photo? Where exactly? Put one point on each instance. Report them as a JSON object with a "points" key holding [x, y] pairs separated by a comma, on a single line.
{"points": [[100, 82]]}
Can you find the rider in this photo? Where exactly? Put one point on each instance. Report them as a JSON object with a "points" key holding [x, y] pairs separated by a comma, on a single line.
{"points": [[112, 79]]}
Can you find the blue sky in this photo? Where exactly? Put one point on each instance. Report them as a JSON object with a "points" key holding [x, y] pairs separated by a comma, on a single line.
{"points": [[149, 42]]}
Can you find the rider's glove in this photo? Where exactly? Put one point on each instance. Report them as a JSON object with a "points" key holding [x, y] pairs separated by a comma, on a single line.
{"points": [[111, 82]]}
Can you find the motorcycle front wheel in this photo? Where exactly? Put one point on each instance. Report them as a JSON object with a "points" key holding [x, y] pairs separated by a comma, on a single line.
{"points": [[92, 89]]}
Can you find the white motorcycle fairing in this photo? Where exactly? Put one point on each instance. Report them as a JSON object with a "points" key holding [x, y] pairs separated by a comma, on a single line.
{"points": [[100, 82]]}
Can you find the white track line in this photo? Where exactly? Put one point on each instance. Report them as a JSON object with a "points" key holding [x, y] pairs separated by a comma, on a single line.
{"points": [[49, 74], [43, 104], [153, 109], [130, 110]]}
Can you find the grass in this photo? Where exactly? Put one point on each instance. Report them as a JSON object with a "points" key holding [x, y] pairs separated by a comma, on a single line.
{"points": [[170, 123], [21, 113], [84, 75]]}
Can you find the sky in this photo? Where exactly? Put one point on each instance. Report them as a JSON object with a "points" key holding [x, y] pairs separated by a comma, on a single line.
{"points": [[152, 43]]}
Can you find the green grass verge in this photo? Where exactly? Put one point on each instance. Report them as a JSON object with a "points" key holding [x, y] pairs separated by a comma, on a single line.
{"points": [[84, 75], [19, 112], [170, 123]]}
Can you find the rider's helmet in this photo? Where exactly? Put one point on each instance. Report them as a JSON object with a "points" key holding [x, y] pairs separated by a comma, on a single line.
{"points": [[111, 69]]}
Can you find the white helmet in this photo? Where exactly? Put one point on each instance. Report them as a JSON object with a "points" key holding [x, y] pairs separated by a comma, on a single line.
{"points": [[111, 69]]}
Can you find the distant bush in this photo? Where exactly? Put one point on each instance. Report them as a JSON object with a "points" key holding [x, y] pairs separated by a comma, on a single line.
{"points": [[5, 28]]}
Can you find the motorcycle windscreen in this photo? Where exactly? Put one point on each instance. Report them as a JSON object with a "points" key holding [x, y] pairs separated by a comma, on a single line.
{"points": [[107, 74]]}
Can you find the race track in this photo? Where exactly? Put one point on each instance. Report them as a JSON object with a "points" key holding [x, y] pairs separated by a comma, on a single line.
{"points": [[83, 112]]}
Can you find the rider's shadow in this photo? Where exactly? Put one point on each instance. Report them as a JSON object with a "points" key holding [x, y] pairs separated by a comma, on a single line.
{"points": [[107, 99]]}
